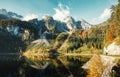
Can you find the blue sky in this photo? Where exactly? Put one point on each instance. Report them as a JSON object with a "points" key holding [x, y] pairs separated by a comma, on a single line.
{"points": [[93, 11]]}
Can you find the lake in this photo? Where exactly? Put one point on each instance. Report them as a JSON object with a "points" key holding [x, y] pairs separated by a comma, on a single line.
{"points": [[41, 66], [59, 66]]}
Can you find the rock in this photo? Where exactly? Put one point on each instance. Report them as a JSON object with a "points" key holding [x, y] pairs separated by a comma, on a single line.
{"points": [[112, 49], [108, 71]]}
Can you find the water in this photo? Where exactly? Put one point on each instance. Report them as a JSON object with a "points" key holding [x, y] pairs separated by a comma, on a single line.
{"points": [[39, 66]]}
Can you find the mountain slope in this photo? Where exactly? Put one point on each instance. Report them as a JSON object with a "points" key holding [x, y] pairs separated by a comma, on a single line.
{"points": [[49, 34], [10, 43], [4, 14]]}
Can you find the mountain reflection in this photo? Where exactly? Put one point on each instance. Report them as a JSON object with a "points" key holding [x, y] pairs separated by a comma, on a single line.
{"points": [[41, 66]]}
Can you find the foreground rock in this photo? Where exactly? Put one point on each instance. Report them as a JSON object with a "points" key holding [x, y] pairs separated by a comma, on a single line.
{"points": [[112, 49]]}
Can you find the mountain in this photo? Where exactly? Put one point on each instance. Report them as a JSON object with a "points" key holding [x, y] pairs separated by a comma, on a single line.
{"points": [[10, 43], [54, 35], [85, 24], [4, 14], [48, 21], [73, 25], [78, 25], [54, 25], [36, 32], [70, 22], [3, 11]]}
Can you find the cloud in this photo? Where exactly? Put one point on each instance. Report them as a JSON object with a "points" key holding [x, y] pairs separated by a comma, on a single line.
{"points": [[45, 16], [61, 12], [103, 17], [106, 14], [30, 17]]}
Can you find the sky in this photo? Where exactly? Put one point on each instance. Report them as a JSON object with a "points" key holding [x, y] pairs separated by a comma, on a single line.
{"points": [[93, 11]]}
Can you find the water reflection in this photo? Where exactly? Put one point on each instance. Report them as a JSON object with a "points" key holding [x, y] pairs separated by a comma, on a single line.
{"points": [[40, 66], [9, 65]]}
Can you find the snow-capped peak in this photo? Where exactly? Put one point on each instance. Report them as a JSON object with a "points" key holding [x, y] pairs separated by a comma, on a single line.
{"points": [[69, 19], [85, 24], [70, 22]]}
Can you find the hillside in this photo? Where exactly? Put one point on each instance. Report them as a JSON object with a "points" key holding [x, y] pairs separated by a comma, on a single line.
{"points": [[50, 36]]}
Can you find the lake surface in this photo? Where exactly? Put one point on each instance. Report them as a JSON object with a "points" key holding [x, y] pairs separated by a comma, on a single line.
{"points": [[40, 66]]}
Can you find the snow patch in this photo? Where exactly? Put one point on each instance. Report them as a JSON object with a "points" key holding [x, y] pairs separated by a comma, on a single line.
{"points": [[70, 22]]}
